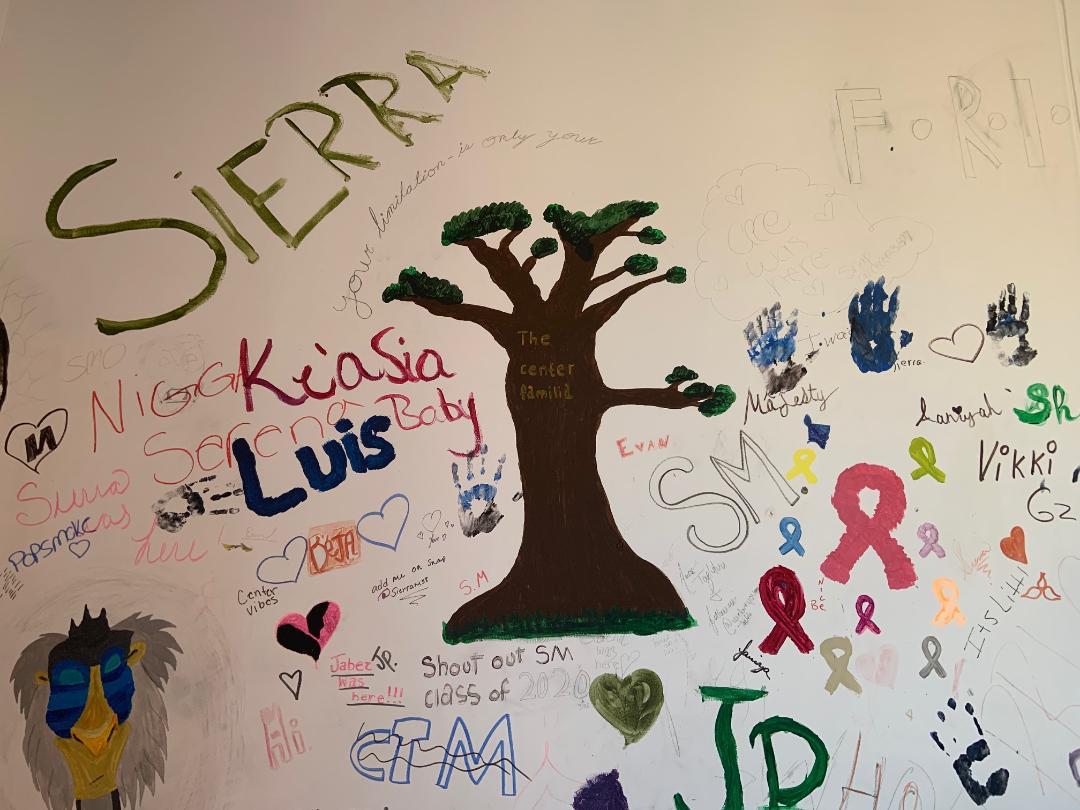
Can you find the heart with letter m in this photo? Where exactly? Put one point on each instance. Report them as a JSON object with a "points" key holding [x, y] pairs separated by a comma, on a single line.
{"points": [[31, 444]]}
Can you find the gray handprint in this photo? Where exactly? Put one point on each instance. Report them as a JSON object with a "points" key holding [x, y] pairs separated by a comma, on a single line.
{"points": [[193, 503], [476, 504], [1002, 323]]}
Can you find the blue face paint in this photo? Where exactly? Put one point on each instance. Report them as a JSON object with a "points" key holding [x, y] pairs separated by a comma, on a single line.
{"points": [[69, 686], [69, 682], [117, 682]]}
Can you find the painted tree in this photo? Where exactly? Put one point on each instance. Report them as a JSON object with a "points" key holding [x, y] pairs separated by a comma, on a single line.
{"points": [[574, 572]]}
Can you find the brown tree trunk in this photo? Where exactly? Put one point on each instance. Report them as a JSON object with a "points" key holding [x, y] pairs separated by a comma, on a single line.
{"points": [[574, 572]]}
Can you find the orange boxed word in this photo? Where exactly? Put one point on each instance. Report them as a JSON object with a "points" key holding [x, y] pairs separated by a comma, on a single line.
{"points": [[331, 546]]}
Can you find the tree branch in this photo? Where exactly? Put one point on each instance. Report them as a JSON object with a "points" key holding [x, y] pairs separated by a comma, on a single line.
{"points": [[601, 312], [498, 323], [602, 240], [504, 243], [504, 269], [528, 264], [573, 286], [668, 397], [604, 278]]}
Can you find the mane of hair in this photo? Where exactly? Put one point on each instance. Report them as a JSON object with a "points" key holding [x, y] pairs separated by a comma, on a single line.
{"points": [[47, 767], [143, 761]]}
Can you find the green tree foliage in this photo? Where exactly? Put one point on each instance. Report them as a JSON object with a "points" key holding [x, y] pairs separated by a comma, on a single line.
{"points": [[639, 264], [412, 283], [544, 246], [722, 399], [578, 228], [651, 236], [698, 389], [680, 374], [477, 222]]}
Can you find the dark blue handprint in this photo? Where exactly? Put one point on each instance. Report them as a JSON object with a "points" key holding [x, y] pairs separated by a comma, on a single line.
{"points": [[769, 348], [998, 781], [1003, 323], [872, 344], [476, 504]]}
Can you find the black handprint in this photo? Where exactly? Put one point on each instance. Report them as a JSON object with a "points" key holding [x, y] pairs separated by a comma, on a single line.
{"points": [[976, 752], [194, 502], [1002, 323], [476, 505]]}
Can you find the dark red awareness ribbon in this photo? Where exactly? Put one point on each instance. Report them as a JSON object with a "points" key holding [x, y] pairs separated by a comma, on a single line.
{"points": [[782, 597]]}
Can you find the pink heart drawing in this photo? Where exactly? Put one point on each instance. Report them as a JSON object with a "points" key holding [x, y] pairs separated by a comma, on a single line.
{"points": [[308, 635], [879, 668]]}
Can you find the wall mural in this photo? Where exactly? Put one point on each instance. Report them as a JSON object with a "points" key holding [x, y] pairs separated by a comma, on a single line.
{"points": [[569, 532], [320, 491]]}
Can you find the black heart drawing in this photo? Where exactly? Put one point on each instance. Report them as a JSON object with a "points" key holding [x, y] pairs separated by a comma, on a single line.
{"points": [[957, 409], [83, 546], [308, 635], [31, 444], [292, 681]]}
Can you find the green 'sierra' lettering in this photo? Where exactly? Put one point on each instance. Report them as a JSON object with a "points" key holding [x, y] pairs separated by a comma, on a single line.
{"points": [[110, 327], [441, 73]]}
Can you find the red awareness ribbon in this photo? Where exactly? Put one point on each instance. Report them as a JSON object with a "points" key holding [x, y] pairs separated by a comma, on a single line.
{"points": [[782, 597], [865, 531]]}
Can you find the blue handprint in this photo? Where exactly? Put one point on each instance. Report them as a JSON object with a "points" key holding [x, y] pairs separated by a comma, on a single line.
{"points": [[769, 348], [872, 345], [476, 505]]}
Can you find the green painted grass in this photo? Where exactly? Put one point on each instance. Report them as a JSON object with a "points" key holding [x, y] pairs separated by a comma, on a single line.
{"points": [[589, 624]]}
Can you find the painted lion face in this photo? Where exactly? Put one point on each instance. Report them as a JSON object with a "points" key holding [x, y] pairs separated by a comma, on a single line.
{"points": [[94, 706], [91, 688]]}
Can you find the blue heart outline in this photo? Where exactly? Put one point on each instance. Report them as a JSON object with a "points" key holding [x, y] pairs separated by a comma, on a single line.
{"points": [[381, 512], [284, 555], [71, 547]]}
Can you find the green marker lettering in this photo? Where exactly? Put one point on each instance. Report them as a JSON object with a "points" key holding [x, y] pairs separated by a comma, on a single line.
{"points": [[110, 327], [432, 67], [383, 114]]}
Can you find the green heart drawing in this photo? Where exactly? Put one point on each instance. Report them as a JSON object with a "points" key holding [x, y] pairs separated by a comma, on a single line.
{"points": [[630, 705]]}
